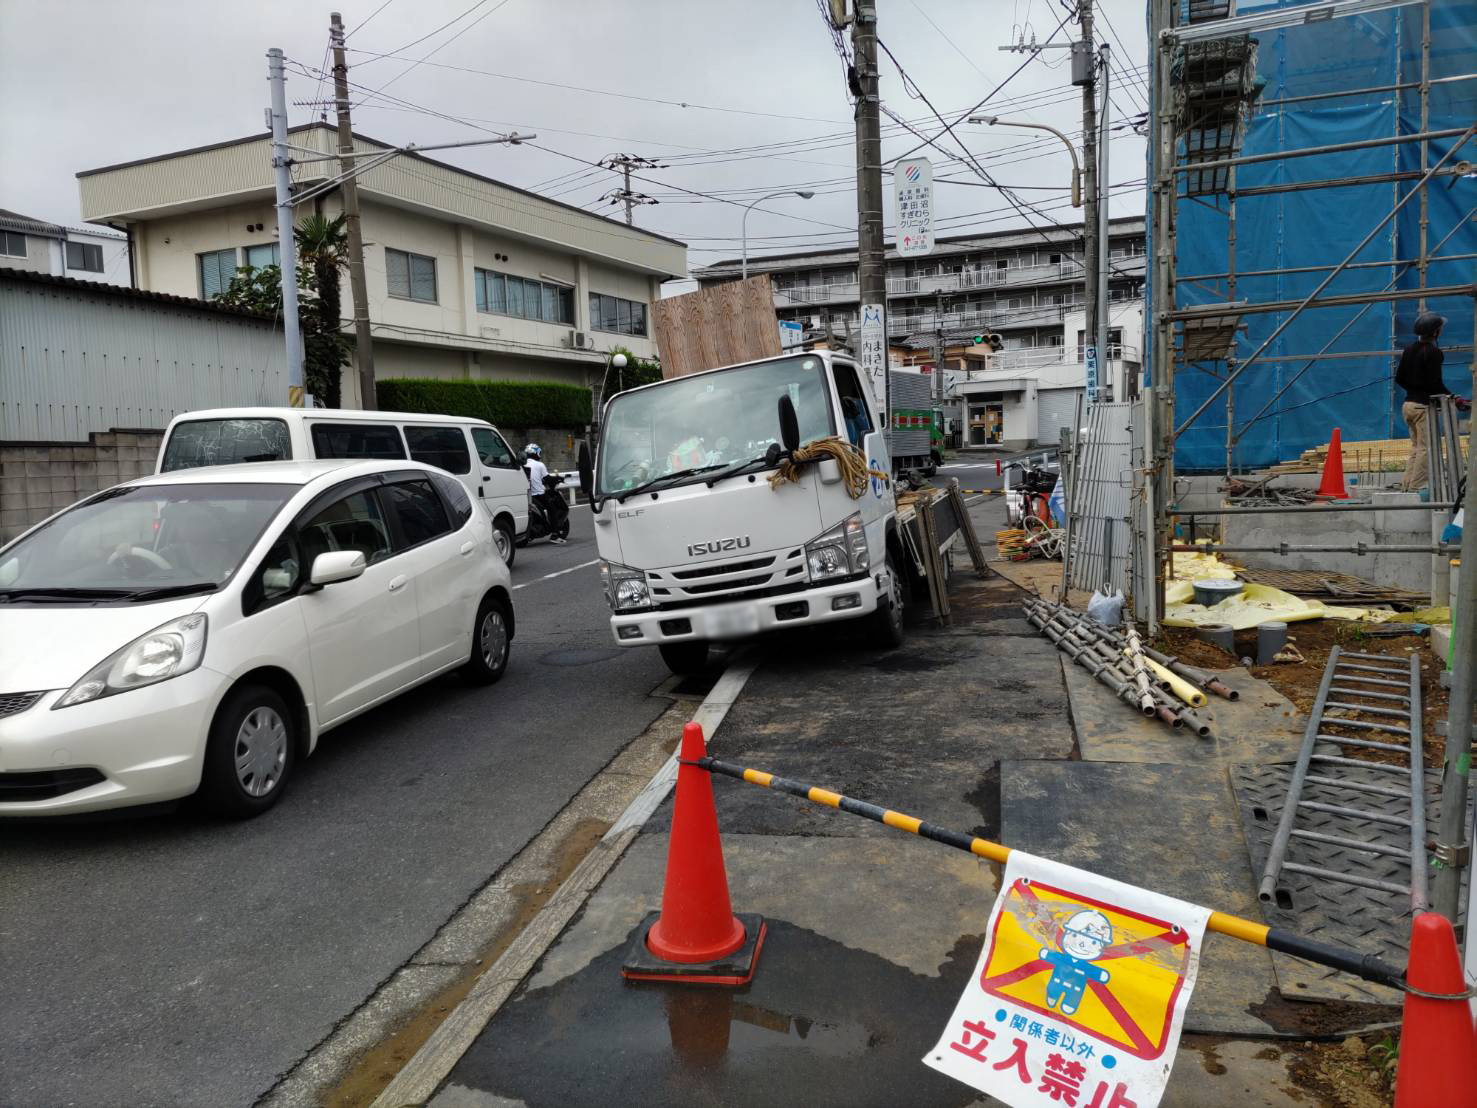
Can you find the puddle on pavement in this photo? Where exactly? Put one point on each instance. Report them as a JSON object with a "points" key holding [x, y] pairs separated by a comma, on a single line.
{"points": [[817, 1016]]}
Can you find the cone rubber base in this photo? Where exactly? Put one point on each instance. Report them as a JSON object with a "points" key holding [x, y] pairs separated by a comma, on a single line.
{"points": [[736, 969]]}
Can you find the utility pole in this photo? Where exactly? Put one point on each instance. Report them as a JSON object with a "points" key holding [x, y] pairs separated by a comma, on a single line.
{"points": [[1104, 246], [871, 266], [624, 164], [363, 343], [286, 244], [1083, 76]]}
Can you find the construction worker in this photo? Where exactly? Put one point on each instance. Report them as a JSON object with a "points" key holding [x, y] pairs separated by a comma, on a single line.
{"points": [[1420, 376]]}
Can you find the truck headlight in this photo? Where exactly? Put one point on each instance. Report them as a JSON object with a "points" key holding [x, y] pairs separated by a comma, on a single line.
{"points": [[169, 650], [839, 552], [625, 588]]}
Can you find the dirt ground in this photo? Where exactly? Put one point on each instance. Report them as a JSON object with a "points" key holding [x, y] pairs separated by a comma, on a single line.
{"points": [[1298, 681]]}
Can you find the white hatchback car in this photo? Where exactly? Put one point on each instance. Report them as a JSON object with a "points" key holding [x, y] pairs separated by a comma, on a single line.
{"points": [[197, 631]]}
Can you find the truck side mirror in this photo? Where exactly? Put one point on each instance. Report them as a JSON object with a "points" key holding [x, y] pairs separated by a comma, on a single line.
{"points": [[789, 424], [586, 471]]}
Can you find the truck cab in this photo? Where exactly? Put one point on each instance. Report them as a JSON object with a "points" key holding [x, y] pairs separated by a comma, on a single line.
{"points": [[702, 536]]}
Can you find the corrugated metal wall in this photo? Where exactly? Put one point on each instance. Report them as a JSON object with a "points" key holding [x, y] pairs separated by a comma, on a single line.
{"points": [[1054, 409], [76, 361]]}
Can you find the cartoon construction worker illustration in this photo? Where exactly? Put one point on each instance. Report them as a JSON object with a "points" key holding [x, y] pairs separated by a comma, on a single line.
{"points": [[1085, 936]]}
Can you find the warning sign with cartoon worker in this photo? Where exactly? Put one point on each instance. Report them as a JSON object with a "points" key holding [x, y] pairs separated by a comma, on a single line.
{"points": [[1079, 994]]}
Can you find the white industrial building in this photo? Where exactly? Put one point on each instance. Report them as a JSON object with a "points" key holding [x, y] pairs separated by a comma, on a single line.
{"points": [[467, 277], [83, 253]]}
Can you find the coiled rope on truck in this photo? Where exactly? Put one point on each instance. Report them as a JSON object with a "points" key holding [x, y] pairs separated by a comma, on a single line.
{"points": [[854, 469]]}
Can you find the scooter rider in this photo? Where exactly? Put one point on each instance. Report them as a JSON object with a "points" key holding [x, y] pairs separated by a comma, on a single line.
{"points": [[533, 465]]}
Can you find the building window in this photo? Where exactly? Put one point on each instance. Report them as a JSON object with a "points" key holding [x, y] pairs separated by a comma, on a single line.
{"points": [[217, 267], [410, 276], [262, 255], [12, 244], [503, 294], [86, 256], [611, 313]]}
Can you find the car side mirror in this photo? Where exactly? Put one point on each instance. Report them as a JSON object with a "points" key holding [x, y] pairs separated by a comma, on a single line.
{"points": [[336, 565], [789, 424], [586, 470]]}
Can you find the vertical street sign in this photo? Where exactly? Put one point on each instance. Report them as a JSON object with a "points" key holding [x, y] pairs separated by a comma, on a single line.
{"points": [[872, 350], [912, 190], [1090, 356]]}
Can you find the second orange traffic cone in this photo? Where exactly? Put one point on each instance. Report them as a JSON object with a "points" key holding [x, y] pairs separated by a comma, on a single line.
{"points": [[1438, 1047], [695, 938], [1332, 485]]}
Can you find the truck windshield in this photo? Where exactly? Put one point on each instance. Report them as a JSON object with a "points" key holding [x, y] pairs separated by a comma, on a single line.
{"points": [[709, 420]]}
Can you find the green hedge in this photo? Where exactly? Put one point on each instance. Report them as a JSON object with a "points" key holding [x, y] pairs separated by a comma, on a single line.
{"points": [[503, 403]]}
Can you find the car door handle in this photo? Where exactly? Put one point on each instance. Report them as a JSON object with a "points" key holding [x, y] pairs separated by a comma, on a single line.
{"points": [[468, 546], [398, 583]]}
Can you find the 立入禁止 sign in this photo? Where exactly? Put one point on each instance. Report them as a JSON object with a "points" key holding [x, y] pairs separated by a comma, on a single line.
{"points": [[1079, 994]]}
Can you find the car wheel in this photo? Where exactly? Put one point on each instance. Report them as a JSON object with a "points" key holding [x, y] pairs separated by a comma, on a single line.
{"points": [[685, 658], [503, 539], [887, 623], [249, 755], [491, 643]]}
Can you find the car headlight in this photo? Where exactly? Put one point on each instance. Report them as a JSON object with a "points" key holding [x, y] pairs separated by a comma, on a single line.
{"points": [[625, 588], [839, 552], [167, 651]]}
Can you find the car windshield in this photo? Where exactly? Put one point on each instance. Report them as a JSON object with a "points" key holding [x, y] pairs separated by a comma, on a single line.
{"points": [[708, 420], [222, 442], [144, 539]]}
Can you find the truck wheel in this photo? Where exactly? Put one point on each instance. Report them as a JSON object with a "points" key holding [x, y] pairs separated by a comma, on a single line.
{"points": [[887, 625], [505, 541], [685, 658]]}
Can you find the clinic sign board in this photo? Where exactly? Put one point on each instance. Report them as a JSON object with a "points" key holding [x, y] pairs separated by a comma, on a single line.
{"points": [[912, 214]]}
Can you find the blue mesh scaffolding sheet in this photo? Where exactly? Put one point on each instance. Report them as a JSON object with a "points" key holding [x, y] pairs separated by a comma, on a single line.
{"points": [[1287, 242]]}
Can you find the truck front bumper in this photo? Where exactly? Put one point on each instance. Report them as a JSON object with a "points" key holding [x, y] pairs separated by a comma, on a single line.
{"points": [[735, 619]]}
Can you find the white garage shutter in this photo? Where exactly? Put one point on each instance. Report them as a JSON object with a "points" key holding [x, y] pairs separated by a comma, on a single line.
{"points": [[1054, 408]]}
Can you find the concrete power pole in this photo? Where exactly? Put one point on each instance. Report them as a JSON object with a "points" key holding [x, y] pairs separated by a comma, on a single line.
{"points": [[1104, 245], [286, 244], [871, 266], [363, 342], [1083, 76]]}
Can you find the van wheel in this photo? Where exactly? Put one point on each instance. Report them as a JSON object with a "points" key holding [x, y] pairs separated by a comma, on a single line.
{"points": [[685, 658], [887, 622], [249, 754], [502, 538]]}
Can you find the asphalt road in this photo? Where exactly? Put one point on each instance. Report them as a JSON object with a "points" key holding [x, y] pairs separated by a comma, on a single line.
{"points": [[164, 959]]}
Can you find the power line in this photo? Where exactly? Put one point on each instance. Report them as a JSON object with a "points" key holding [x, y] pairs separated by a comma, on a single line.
{"points": [[367, 21], [490, 11], [952, 44]]}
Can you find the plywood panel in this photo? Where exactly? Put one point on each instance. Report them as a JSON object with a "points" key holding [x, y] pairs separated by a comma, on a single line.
{"points": [[716, 326]]}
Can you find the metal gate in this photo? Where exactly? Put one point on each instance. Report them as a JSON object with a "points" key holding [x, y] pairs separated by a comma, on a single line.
{"points": [[1054, 408], [1099, 495]]}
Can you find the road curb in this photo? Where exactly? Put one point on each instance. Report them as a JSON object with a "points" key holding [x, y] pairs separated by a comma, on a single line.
{"points": [[419, 1078]]}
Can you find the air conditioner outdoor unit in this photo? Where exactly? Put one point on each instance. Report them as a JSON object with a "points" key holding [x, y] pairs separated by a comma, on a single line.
{"points": [[581, 340]]}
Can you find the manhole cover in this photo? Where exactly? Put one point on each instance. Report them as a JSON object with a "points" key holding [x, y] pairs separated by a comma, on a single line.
{"points": [[579, 657]]}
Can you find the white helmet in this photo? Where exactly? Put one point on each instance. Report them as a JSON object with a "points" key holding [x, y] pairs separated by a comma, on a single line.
{"points": [[532, 451]]}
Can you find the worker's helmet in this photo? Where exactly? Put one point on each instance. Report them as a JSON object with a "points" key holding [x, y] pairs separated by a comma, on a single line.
{"points": [[532, 451], [1428, 324]]}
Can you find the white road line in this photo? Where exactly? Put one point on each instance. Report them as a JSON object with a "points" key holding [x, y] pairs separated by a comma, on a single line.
{"points": [[556, 573]]}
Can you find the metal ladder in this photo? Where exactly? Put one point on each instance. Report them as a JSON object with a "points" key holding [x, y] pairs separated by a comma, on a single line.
{"points": [[1394, 693]]}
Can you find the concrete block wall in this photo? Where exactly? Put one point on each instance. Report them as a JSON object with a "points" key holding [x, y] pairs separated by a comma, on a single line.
{"points": [[39, 479]]}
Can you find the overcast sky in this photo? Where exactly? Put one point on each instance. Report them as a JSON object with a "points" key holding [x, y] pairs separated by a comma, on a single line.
{"points": [[707, 88]]}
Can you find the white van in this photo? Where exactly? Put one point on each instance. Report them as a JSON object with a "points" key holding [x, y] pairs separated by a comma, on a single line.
{"points": [[470, 449]]}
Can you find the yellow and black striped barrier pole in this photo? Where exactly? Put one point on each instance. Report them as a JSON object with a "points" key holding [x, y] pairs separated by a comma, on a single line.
{"points": [[1274, 938]]}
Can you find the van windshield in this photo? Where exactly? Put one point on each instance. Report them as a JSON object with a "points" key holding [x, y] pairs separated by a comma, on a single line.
{"points": [[709, 420], [223, 442]]}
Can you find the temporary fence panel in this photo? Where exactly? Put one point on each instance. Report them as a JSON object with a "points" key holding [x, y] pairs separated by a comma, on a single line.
{"points": [[1099, 499], [1141, 590], [1054, 413], [1289, 241]]}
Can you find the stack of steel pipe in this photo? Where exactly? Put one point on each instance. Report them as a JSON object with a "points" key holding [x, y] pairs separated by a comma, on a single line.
{"points": [[1101, 653]]}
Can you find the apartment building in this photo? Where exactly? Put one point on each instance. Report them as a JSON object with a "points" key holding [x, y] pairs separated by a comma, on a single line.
{"points": [[467, 277], [1027, 286], [82, 253]]}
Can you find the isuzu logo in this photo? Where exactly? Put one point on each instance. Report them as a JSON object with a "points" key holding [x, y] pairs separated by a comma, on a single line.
{"points": [[718, 546]]}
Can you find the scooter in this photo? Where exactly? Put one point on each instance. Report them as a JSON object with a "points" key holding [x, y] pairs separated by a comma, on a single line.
{"points": [[546, 523]]}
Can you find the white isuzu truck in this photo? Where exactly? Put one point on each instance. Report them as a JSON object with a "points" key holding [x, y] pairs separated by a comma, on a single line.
{"points": [[718, 517]]}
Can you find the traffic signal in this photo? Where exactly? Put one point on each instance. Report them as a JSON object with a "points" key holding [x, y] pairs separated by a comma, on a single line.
{"points": [[990, 339]]}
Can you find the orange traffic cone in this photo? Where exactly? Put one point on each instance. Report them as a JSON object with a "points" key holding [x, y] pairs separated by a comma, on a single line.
{"points": [[1332, 485], [1438, 1046], [695, 938]]}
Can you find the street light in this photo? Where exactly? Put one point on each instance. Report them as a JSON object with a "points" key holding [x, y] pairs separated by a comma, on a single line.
{"points": [[744, 223], [996, 121]]}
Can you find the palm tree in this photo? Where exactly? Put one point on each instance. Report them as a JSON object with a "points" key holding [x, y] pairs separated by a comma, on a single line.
{"points": [[321, 243]]}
